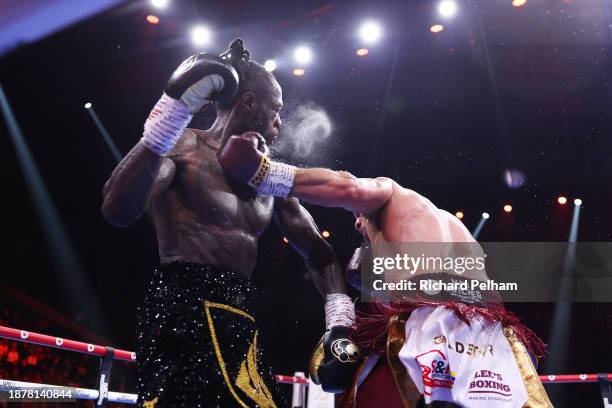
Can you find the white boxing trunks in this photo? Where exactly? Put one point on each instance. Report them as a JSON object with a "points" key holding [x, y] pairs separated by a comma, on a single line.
{"points": [[470, 365]]}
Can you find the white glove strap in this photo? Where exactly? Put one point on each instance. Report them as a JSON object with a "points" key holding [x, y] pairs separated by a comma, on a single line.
{"points": [[339, 310], [273, 178], [198, 94], [165, 125]]}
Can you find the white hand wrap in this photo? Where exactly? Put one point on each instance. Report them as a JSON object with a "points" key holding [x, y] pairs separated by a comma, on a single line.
{"points": [[273, 178], [339, 310], [165, 125]]}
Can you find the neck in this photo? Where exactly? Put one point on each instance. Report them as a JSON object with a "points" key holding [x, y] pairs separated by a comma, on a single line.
{"points": [[226, 124]]}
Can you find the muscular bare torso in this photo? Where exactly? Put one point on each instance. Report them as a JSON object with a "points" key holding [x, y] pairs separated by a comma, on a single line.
{"points": [[203, 216]]}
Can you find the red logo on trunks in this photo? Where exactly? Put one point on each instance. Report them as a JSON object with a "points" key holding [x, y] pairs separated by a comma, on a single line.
{"points": [[435, 370]]}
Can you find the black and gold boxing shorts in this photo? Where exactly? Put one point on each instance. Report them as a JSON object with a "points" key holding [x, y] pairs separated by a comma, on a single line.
{"points": [[197, 343]]}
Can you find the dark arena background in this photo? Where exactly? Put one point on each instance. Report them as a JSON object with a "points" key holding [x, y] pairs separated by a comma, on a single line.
{"points": [[503, 107]]}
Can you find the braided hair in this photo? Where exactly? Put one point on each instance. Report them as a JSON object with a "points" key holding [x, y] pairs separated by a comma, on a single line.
{"points": [[253, 77]]}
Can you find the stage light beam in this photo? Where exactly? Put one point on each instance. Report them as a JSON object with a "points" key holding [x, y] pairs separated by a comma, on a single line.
{"points": [[362, 52], [519, 3], [370, 32], [201, 35], [480, 226], [299, 72], [87, 105], [325, 234], [270, 65], [303, 54], [436, 28], [577, 202], [447, 8], [562, 200], [508, 208]]}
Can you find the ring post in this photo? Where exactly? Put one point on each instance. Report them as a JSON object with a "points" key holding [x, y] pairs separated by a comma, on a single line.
{"points": [[606, 390], [104, 376], [298, 398]]}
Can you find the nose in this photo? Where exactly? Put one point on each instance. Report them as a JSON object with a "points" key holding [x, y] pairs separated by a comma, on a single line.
{"points": [[278, 123], [358, 224]]}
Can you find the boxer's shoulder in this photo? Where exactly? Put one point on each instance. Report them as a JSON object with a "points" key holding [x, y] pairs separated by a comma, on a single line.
{"points": [[187, 143]]}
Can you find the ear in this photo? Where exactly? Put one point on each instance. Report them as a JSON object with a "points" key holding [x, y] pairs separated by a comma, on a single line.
{"points": [[247, 101]]}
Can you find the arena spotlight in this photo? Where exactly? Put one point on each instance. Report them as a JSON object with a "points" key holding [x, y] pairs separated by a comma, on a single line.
{"points": [[562, 200], [370, 32], [87, 105], [325, 234], [285, 240], [507, 208], [270, 65], [159, 3], [152, 19], [447, 8], [459, 214], [362, 52], [299, 72], [485, 215], [519, 3], [436, 28], [200, 35], [577, 202], [303, 54]]}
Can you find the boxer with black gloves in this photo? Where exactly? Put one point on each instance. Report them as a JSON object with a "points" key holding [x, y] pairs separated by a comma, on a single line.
{"points": [[197, 337]]}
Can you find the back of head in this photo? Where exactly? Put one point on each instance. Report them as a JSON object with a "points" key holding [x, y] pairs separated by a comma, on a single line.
{"points": [[252, 75]]}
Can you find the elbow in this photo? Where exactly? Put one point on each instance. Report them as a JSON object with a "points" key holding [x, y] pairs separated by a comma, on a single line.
{"points": [[115, 217], [321, 253]]}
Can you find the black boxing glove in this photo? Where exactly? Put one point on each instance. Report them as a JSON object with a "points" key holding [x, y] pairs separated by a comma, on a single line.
{"points": [[335, 360], [199, 80]]}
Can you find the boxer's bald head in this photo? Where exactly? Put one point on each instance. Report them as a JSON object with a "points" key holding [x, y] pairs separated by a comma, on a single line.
{"points": [[257, 104]]}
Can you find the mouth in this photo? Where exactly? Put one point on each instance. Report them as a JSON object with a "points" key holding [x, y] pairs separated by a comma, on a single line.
{"points": [[272, 138]]}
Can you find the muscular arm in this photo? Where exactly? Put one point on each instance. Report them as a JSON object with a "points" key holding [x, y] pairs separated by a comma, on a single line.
{"points": [[139, 177], [302, 233], [330, 188]]}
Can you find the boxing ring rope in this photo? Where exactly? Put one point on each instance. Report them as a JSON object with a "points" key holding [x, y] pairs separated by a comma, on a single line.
{"points": [[63, 344], [548, 379], [108, 354], [79, 393]]}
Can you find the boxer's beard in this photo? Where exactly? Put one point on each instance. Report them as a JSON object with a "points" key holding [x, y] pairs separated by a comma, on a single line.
{"points": [[256, 123], [259, 124]]}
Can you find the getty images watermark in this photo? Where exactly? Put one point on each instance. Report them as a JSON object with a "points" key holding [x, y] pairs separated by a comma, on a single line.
{"points": [[512, 272]]}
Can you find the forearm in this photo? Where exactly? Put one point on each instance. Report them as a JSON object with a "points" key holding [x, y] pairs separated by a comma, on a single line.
{"points": [[325, 272], [324, 187], [127, 192]]}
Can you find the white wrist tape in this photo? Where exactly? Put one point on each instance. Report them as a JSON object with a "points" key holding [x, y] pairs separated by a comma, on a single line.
{"points": [[165, 125], [273, 178], [339, 310]]}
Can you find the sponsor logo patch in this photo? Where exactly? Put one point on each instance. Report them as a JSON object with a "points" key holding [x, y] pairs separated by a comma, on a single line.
{"points": [[435, 370], [489, 382]]}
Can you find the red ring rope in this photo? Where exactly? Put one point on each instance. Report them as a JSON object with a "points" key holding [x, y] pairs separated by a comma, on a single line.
{"points": [[63, 344]]}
